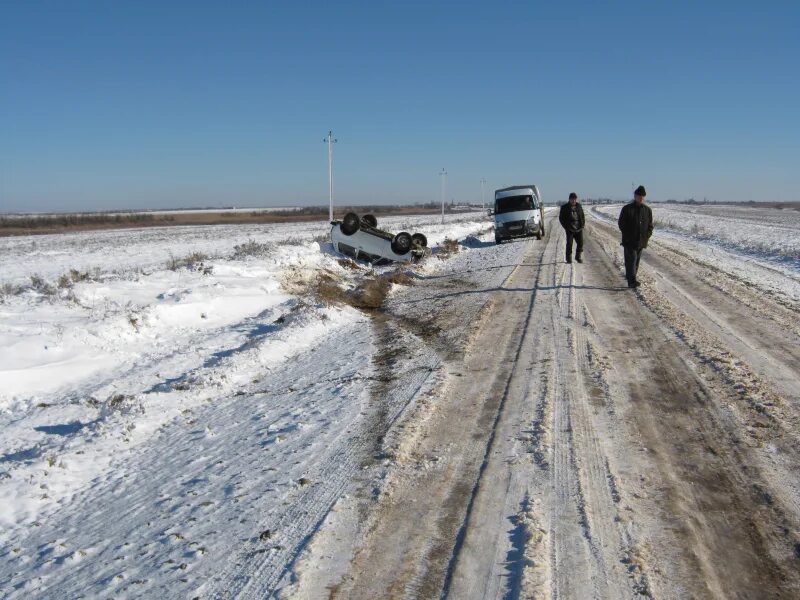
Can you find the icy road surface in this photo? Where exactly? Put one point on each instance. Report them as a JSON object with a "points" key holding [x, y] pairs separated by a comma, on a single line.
{"points": [[501, 425]]}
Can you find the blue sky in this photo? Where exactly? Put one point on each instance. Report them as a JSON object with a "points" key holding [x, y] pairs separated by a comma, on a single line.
{"points": [[107, 105]]}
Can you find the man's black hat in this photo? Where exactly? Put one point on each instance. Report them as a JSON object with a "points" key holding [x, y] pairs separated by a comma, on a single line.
{"points": [[640, 191], [573, 195]]}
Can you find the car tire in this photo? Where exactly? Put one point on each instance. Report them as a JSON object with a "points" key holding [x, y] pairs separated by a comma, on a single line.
{"points": [[420, 240], [401, 244], [370, 220], [540, 233], [498, 239], [350, 224]]}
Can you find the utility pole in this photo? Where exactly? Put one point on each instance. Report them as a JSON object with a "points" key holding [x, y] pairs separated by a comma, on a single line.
{"points": [[443, 176], [330, 141], [483, 202]]}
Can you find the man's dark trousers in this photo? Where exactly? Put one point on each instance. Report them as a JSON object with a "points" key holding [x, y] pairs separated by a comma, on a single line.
{"points": [[632, 256], [578, 237]]}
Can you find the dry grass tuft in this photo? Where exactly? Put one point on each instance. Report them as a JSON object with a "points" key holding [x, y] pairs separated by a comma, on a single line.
{"points": [[8, 290], [252, 248], [369, 294], [349, 263], [399, 278], [67, 280], [327, 289], [38, 284], [447, 248], [193, 262]]}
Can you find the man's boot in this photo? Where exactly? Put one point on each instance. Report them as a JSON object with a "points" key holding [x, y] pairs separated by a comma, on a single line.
{"points": [[578, 258]]}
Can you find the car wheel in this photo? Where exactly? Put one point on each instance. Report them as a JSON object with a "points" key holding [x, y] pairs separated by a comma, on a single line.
{"points": [[539, 233], [420, 240], [498, 239], [542, 226], [350, 224], [401, 244], [370, 220]]}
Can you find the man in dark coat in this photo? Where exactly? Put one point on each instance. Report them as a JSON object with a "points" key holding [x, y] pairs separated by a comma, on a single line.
{"points": [[572, 220], [636, 224]]}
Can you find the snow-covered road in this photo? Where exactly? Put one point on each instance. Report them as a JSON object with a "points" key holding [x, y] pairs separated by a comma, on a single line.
{"points": [[503, 425]]}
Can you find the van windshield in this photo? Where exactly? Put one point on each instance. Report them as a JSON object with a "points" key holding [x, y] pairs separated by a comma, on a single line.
{"points": [[513, 203]]}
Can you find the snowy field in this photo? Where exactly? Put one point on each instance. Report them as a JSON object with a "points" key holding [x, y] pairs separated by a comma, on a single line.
{"points": [[207, 412], [108, 337], [131, 252]]}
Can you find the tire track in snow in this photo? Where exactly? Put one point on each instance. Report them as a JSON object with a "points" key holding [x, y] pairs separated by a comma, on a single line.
{"points": [[257, 574], [508, 572], [611, 545], [575, 564]]}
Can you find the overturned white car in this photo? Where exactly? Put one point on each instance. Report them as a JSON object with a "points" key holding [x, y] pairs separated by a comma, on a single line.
{"points": [[360, 238]]}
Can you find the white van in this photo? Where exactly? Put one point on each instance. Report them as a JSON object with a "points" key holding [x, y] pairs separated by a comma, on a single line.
{"points": [[518, 212]]}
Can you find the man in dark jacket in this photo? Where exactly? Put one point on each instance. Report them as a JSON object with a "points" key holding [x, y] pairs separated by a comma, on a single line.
{"points": [[572, 220], [636, 224]]}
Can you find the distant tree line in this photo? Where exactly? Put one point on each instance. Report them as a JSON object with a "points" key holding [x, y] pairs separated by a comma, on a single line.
{"points": [[77, 220], [360, 209], [690, 201], [668, 201]]}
